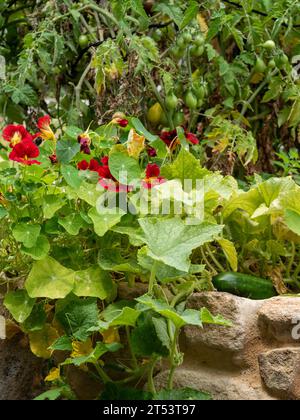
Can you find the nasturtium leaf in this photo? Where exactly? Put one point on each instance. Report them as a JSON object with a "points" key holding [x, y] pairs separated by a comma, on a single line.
{"points": [[112, 260], [40, 250], [93, 282], [124, 168], [51, 204], [104, 221], [73, 132], [88, 193], [41, 340], [185, 167], [144, 338], [292, 220], [19, 304], [66, 149], [26, 234], [72, 223], [49, 279], [36, 320], [171, 241], [77, 315], [182, 394], [137, 124], [230, 252], [71, 176]]}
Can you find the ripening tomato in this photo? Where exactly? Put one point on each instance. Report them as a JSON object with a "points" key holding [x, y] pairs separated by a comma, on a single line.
{"points": [[155, 114]]}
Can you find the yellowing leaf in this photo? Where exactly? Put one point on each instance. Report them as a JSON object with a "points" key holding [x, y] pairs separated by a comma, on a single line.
{"points": [[202, 23], [257, 78], [221, 145], [82, 349], [54, 374], [136, 144], [41, 340], [12, 329], [230, 253], [111, 336]]}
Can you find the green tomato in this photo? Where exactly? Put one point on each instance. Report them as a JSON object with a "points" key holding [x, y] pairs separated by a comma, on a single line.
{"points": [[191, 100], [187, 36], [199, 40], [177, 52], [178, 119], [260, 66], [197, 51], [180, 42], [171, 101], [199, 91], [284, 59], [271, 64], [83, 41], [269, 45]]}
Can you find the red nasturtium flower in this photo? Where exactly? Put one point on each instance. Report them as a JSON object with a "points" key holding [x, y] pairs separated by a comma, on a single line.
{"points": [[15, 134], [170, 138], [46, 132], [25, 152], [122, 122], [151, 151], [107, 180], [85, 141], [153, 177]]}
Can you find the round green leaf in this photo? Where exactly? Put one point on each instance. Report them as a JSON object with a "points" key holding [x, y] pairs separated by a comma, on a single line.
{"points": [[26, 234], [124, 168], [49, 279], [19, 304]]}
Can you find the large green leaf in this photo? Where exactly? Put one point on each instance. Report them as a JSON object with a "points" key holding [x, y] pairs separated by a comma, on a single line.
{"points": [[112, 260], [40, 250], [292, 219], [19, 304], [71, 176], [36, 320], [171, 241], [49, 279], [26, 234], [88, 193], [185, 167], [72, 223], [66, 149], [77, 315], [93, 282], [105, 220], [51, 204], [124, 168]]}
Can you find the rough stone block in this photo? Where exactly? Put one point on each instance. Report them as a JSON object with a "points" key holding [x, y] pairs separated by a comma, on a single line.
{"points": [[278, 319], [280, 371]]}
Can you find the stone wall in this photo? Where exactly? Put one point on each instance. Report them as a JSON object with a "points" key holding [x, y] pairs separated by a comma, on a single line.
{"points": [[256, 359]]}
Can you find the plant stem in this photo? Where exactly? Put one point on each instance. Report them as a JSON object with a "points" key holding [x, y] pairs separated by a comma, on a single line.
{"points": [[174, 363], [290, 265], [105, 378], [151, 385], [134, 361], [220, 267], [152, 278], [80, 83]]}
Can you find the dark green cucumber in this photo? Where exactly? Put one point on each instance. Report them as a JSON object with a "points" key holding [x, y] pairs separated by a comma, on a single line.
{"points": [[244, 285]]}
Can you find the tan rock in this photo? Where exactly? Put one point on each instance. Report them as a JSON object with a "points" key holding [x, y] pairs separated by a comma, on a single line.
{"points": [[280, 371], [277, 319]]}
